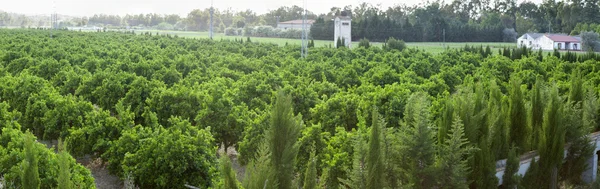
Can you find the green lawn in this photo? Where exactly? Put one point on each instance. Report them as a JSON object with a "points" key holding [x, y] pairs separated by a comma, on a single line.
{"points": [[433, 47]]}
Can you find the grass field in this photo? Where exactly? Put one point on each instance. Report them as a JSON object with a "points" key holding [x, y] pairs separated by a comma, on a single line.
{"points": [[433, 47]]}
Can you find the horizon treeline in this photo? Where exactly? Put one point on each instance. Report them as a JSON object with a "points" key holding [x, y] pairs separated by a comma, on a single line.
{"points": [[434, 21]]}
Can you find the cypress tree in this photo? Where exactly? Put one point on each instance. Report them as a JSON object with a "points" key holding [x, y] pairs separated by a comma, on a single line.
{"points": [[64, 172], [445, 122], [30, 177], [580, 149], [530, 178], [310, 176], [452, 164], [537, 112], [518, 117], [552, 143], [590, 110], [510, 180], [576, 91], [375, 159], [418, 142], [227, 173], [258, 171], [282, 138], [498, 122], [358, 175]]}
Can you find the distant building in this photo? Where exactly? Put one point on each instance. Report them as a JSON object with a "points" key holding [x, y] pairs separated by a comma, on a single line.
{"points": [[295, 24], [550, 41], [343, 30]]}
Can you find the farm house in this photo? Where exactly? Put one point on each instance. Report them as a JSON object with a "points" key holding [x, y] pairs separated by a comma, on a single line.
{"points": [[550, 41]]}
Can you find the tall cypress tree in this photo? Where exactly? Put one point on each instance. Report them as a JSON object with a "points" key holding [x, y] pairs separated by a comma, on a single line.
{"points": [[537, 112], [510, 180], [498, 122], [580, 149], [227, 173], [452, 164], [418, 141], [576, 91], [310, 176], [518, 131], [258, 171], [64, 172], [283, 140], [375, 159], [30, 177], [552, 143], [445, 122], [358, 175]]}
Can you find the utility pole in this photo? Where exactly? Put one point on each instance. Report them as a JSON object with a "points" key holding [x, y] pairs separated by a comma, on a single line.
{"points": [[53, 18], [212, 11], [444, 33], [304, 50]]}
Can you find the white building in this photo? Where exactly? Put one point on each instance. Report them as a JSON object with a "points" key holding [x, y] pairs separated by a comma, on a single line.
{"points": [[295, 24], [550, 41], [343, 30]]}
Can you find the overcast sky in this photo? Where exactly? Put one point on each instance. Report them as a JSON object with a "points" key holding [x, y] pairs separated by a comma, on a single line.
{"points": [[181, 7]]}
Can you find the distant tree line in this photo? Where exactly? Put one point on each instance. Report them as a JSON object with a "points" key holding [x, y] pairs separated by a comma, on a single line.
{"points": [[455, 21]]}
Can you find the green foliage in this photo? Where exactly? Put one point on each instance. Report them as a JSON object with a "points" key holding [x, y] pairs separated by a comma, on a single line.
{"points": [[374, 160], [141, 150], [282, 138], [112, 95], [576, 90], [310, 176], [364, 43], [18, 149], [452, 163], [30, 177], [64, 171], [581, 147], [418, 143], [259, 171], [227, 173], [359, 173], [394, 44], [518, 129], [552, 142], [498, 121], [537, 112], [510, 179]]}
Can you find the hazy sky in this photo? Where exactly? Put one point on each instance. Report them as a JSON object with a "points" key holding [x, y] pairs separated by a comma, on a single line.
{"points": [[181, 7]]}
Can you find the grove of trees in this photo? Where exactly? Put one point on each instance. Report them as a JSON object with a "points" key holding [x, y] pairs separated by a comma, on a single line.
{"points": [[156, 108]]}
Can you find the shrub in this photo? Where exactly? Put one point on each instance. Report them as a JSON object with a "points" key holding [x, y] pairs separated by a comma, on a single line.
{"points": [[393, 43], [364, 43], [590, 41], [231, 32]]}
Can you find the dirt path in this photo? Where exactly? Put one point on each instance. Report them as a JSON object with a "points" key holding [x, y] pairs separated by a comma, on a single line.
{"points": [[103, 179]]}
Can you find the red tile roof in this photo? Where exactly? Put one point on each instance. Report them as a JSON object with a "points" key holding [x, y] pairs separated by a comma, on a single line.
{"points": [[563, 38], [297, 22]]}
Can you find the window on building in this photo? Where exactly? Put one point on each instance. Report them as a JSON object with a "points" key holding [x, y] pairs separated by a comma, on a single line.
{"points": [[575, 47], [345, 23], [529, 43], [559, 45]]}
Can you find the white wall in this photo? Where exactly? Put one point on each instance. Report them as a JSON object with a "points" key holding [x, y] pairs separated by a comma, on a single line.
{"points": [[284, 26], [527, 41], [343, 30], [546, 43]]}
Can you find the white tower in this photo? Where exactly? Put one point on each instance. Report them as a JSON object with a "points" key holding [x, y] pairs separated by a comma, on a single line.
{"points": [[343, 30]]}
